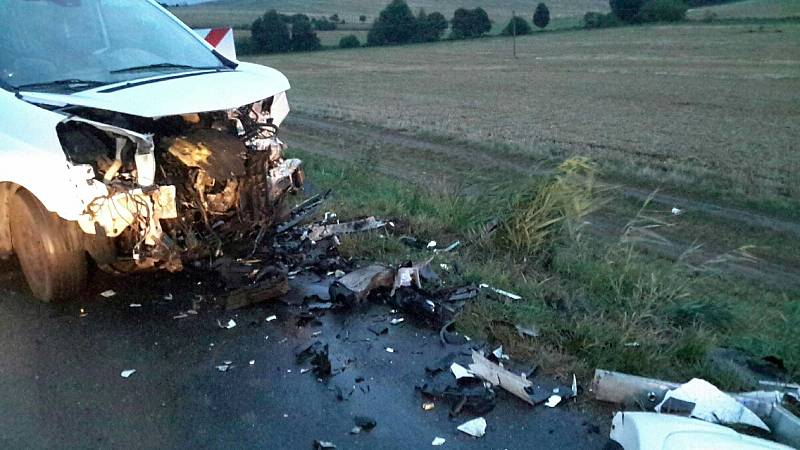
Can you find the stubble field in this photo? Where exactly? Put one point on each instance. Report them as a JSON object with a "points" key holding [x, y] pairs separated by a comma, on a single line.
{"points": [[708, 110]]}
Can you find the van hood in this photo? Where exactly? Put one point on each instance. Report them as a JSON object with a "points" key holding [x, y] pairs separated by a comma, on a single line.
{"points": [[176, 93]]}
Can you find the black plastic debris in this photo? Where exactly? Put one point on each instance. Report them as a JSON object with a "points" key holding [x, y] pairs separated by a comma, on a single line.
{"points": [[365, 423], [318, 353], [378, 329], [465, 395]]}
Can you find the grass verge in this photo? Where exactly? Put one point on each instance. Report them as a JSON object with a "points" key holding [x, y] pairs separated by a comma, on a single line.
{"points": [[597, 304]]}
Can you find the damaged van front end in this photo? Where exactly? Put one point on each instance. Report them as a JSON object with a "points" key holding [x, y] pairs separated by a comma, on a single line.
{"points": [[164, 191], [134, 153]]}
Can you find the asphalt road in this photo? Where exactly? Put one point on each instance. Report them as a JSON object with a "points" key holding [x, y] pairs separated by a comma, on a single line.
{"points": [[60, 383]]}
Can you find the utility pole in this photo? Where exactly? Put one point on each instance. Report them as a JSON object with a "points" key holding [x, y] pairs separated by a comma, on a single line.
{"points": [[514, 31]]}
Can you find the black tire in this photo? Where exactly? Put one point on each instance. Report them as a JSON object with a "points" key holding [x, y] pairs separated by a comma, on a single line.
{"points": [[52, 260]]}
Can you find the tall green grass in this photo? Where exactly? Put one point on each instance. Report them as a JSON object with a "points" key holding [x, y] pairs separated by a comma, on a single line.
{"points": [[597, 302]]}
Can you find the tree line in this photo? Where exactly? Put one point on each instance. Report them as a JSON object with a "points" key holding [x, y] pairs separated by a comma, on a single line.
{"points": [[396, 24]]}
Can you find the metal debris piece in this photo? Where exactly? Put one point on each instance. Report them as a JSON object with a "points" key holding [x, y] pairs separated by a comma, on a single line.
{"points": [[127, 373], [507, 294], [319, 232], [712, 405], [108, 294], [437, 441], [449, 248], [501, 377], [474, 427], [261, 291], [357, 285]]}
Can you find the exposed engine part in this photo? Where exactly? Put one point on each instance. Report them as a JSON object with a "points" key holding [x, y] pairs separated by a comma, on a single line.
{"points": [[170, 190]]}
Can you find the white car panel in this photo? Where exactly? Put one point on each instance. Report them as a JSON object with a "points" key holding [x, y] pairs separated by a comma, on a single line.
{"points": [[204, 92]]}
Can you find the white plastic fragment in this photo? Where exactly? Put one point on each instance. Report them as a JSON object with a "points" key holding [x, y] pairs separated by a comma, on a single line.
{"points": [[510, 295], [180, 316], [127, 373], [460, 371], [135, 305], [574, 386], [677, 212], [223, 367], [498, 353], [252, 362], [553, 401], [437, 441], [231, 324], [271, 318], [449, 248], [713, 405], [107, 294], [389, 349], [168, 297], [397, 321], [474, 427], [432, 244]]}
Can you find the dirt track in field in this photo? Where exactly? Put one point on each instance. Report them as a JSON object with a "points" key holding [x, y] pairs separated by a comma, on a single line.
{"points": [[426, 162]]}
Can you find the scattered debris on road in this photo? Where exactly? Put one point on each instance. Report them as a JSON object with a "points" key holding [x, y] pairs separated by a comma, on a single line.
{"points": [[763, 410]]}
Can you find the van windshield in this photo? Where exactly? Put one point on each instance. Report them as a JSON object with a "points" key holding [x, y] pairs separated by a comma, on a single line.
{"points": [[70, 45]]}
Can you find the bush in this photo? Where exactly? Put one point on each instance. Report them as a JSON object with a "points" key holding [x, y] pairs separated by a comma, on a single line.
{"points": [[294, 18], [626, 10], [541, 17], [395, 25], [663, 11], [470, 23], [430, 27], [522, 27], [350, 41], [270, 33], [323, 24], [304, 38], [599, 20]]}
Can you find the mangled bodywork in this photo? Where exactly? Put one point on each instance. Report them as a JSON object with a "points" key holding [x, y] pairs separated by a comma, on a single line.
{"points": [[142, 152], [164, 189]]}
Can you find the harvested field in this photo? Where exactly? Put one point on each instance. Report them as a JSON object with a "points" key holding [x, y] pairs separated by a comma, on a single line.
{"points": [[711, 110], [750, 9], [240, 12]]}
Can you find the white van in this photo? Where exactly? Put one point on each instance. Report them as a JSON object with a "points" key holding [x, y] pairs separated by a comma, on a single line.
{"points": [[129, 141]]}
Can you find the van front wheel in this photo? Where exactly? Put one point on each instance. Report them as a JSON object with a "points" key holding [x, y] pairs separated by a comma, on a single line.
{"points": [[53, 262]]}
